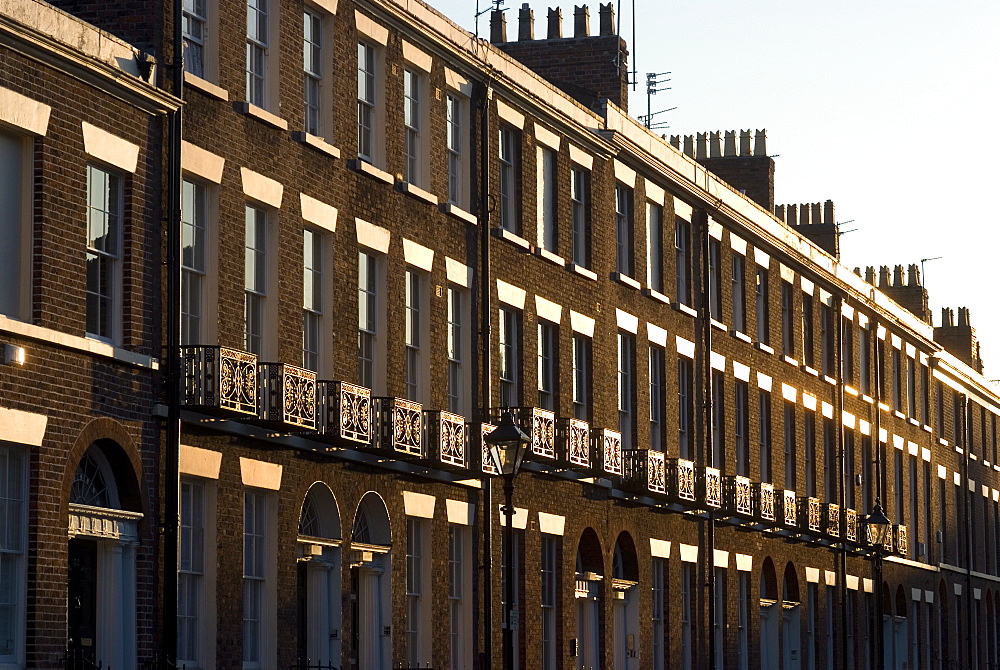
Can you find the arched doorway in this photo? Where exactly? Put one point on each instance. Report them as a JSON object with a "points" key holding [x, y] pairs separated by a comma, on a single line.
{"points": [[104, 535], [898, 640], [589, 575], [768, 616], [625, 603], [319, 565], [943, 625], [371, 585], [791, 620]]}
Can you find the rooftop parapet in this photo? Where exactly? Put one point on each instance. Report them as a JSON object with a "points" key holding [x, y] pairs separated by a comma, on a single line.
{"points": [[959, 339]]}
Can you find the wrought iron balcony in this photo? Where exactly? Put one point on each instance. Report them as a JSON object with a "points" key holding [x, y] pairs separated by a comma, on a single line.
{"points": [[446, 439], [739, 495], [831, 519], [902, 538], [287, 396], [712, 481], [765, 501], [608, 449], [399, 424], [485, 459], [680, 479], [220, 380], [809, 514], [645, 471], [850, 525], [573, 440], [345, 412], [538, 424], [789, 508]]}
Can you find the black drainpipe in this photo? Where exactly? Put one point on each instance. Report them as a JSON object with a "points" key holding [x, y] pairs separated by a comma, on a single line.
{"points": [[708, 418], [486, 359], [846, 478], [171, 448], [971, 635]]}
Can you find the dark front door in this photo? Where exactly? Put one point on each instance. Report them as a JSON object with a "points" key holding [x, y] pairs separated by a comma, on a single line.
{"points": [[82, 592]]}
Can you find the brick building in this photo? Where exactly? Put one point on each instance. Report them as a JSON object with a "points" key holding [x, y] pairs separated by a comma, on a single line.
{"points": [[711, 419], [80, 134]]}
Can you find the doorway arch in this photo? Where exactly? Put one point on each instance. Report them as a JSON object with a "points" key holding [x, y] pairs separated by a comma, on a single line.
{"points": [[625, 603], [371, 584], [791, 620], [589, 578], [104, 511], [318, 578], [769, 606]]}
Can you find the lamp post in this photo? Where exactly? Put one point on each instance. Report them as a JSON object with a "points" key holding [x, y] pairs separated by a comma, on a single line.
{"points": [[878, 527], [507, 444]]}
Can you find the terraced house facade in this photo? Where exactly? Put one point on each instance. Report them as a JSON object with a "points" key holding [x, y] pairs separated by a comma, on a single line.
{"points": [[390, 231]]}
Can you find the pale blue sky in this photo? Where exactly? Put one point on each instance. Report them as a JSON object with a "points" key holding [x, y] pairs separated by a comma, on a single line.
{"points": [[889, 108]]}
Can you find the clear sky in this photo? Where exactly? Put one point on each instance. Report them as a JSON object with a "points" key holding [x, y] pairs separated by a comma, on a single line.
{"points": [[888, 108]]}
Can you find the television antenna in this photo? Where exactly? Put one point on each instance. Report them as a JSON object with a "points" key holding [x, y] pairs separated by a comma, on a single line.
{"points": [[654, 85]]}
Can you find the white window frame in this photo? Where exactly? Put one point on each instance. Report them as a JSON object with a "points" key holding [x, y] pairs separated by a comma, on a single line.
{"points": [[459, 344], [456, 105], [203, 614], [548, 165], [13, 550], [416, 333], [654, 246], [418, 591], [715, 278], [548, 364], [624, 230], [659, 586], [197, 282], [685, 393], [739, 293], [257, 250], [371, 320], [459, 597], [582, 366], [200, 26], [626, 389], [370, 138], [261, 38], [109, 256], [580, 203], [509, 332], [414, 121], [682, 260], [313, 298], [507, 160], [16, 225], [258, 579], [316, 68], [762, 307], [657, 393], [549, 599]]}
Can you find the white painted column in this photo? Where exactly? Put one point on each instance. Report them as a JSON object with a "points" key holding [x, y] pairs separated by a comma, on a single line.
{"points": [[110, 605]]}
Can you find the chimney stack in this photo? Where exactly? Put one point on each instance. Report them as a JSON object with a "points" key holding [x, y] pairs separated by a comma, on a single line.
{"points": [[607, 16], [959, 339], [555, 24], [498, 27], [581, 21], [525, 23]]}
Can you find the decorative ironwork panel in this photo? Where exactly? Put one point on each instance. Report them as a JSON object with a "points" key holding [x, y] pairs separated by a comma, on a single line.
{"points": [[869, 535], [851, 525], [538, 424], [288, 395], [681, 477], [713, 488], [765, 501], [400, 426], [446, 438], [656, 464], [573, 436], [486, 460], [220, 379], [888, 542], [346, 412], [788, 508], [810, 514], [644, 471], [902, 539], [833, 519], [608, 444], [739, 495]]}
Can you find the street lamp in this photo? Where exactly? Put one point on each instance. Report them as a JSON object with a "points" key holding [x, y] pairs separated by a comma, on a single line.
{"points": [[507, 444], [878, 527]]}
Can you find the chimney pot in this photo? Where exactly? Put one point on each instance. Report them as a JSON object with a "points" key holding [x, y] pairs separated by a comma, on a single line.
{"points": [[702, 150], [779, 213], [525, 23], [581, 21], [555, 23], [817, 213], [963, 317], [715, 144], [760, 143], [607, 18], [805, 215], [745, 149], [870, 274], [689, 146], [498, 27], [914, 275], [897, 275], [730, 146], [828, 213], [883, 276]]}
